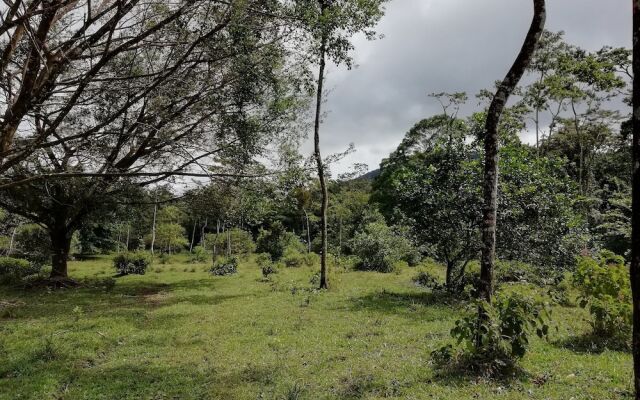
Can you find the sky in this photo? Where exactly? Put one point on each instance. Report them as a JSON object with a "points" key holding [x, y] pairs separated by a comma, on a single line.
{"points": [[432, 46]]}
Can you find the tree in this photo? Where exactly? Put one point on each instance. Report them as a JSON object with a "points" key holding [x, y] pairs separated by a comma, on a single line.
{"points": [[330, 26], [491, 140], [433, 184], [635, 217], [210, 92]]}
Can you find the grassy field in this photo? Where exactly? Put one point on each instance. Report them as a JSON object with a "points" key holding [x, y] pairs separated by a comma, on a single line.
{"points": [[179, 333]]}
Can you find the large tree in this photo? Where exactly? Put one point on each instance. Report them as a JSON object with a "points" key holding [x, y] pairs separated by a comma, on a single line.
{"points": [[207, 89], [491, 143]]}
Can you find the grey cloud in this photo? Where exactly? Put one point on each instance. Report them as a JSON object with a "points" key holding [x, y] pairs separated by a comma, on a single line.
{"points": [[443, 45]]}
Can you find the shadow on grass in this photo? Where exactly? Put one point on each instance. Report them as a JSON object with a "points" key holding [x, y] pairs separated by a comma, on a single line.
{"points": [[590, 343], [406, 302]]}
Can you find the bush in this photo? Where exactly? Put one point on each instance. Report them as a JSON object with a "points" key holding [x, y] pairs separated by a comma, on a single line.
{"points": [[292, 258], [198, 255], [277, 240], [266, 265], [379, 248], [225, 266], [604, 288], [494, 337], [132, 263], [33, 244], [12, 269], [311, 259], [427, 281]]}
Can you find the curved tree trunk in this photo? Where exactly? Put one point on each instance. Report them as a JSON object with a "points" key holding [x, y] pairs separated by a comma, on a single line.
{"points": [[635, 218], [324, 283], [491, 143]]}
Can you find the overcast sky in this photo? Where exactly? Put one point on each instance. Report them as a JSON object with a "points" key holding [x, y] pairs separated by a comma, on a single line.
{"points": [[443, 46]]}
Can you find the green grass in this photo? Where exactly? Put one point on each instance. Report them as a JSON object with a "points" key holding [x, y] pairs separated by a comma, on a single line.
{"points": [[178, 334]]}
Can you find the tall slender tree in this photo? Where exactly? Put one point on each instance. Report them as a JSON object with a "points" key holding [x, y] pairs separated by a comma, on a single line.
{"points": [[635, 217], [491, 144], [324, 283], [329, 25]]}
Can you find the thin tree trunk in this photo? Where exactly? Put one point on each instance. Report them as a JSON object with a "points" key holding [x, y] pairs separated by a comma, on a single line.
{"points": [[306, 216], [13, 237], [491, 144], [153, 228], [128, 234], [193, 236], [635, 218], [324, 283]]}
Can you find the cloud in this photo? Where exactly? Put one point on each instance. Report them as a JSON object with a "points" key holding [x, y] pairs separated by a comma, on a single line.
{"points": [[443, 45]]}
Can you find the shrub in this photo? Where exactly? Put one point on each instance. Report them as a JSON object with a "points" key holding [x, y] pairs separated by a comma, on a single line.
{"points": [[311, 259], [225, 266], [198, 255], [292, 258], [33, 243], [379, 248], [604, 288], [277, 240], [12, 269], [266, 265], [132, 263], [494, 337], [427, 281]]}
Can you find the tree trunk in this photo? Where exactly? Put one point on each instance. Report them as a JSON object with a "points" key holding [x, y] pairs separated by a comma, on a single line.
{"points": [[491, 143], [13, 238], [635, 218], [128, 234], [153, 228], [306, 216], [324, 283], [60, 246], [193, 236], [449, 278]]}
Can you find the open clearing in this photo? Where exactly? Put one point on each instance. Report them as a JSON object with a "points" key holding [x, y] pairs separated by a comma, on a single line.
{"points": [[179, 333]]}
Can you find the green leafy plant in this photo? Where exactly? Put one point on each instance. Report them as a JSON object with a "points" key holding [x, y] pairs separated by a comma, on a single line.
{"points": [[12, 269], [266, 265], [494, 337], [427, 281], [198, 255], [225, 266], [132, 263], [379, 248], [604, 288]]}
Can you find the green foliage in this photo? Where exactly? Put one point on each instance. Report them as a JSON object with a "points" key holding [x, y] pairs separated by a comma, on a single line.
{"points": [[238, 241], [292, 258], [170, 237], [132, 263], [432, 183], [266, 265], [198, 255], [12, 269], [604, 287], [225, 266], [276, 240], [379, 248], [427, 281], [495, 336], [33, 243]]}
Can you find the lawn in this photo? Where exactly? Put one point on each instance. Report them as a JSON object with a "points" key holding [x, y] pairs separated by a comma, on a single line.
{"points": [[179, 333]]}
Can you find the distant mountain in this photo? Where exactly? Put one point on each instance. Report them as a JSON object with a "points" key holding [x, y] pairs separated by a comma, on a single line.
{"points": [[371, 175]]}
